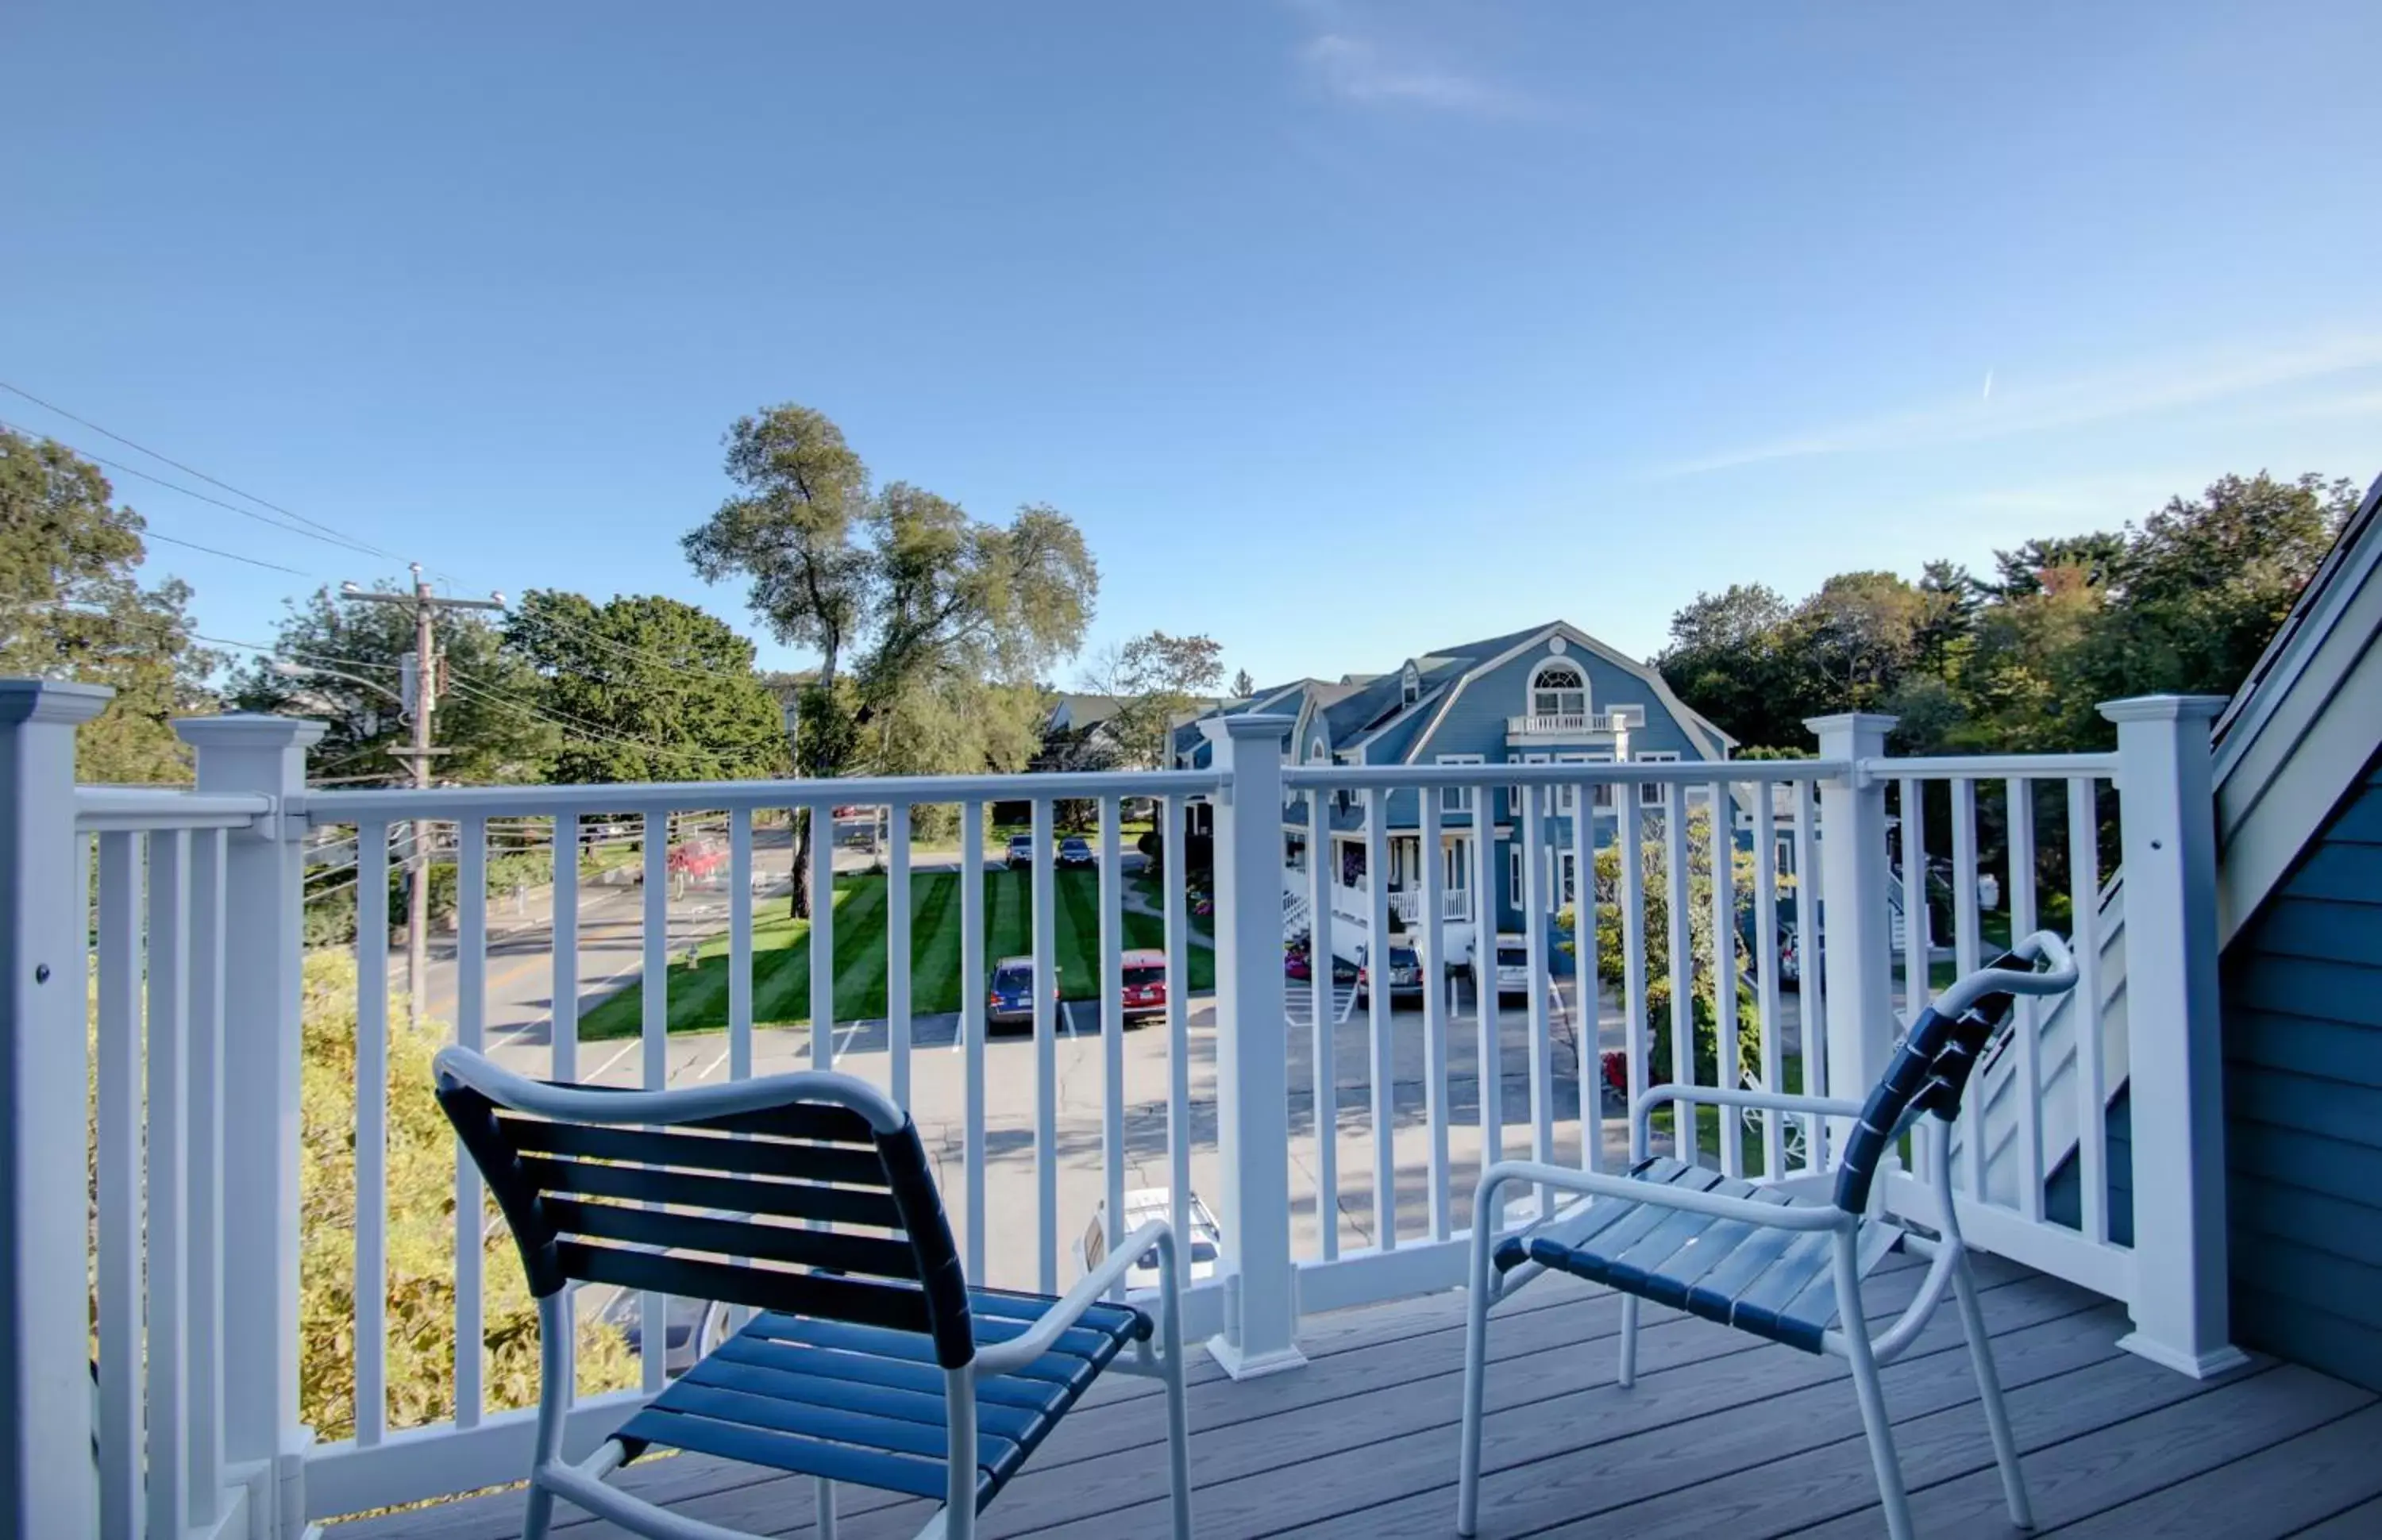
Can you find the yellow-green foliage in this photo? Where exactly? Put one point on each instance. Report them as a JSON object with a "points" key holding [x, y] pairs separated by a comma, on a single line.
{"points": [[420, 1197]]}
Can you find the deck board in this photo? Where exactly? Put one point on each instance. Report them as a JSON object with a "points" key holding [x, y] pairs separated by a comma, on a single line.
{"points": [[1722, 1433]]}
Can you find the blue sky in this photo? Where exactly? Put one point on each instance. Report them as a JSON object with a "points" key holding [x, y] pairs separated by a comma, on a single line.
{"points": [[1343, 330]]}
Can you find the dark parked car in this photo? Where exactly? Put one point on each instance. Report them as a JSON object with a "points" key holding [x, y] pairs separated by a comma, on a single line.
{"points": [[1074, 850], [1009, 1002], [1405, 974]]}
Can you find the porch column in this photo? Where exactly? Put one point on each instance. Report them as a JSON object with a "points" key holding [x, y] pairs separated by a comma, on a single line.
{"points": [[1253, 1051], [2169, 849], [46, 1455], [264, 953], [1856, 946]]}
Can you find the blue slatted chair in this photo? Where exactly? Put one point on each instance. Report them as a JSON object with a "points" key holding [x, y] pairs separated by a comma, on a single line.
{"points": [[807, 1200], [1752, 1257]]}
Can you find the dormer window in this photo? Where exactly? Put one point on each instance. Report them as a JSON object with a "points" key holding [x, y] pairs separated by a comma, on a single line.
{"points": [[1409, 687], [1559, 688]]}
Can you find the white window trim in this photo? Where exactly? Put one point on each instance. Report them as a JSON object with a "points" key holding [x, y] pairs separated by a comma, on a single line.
{"points": [[1572, 665], [1650, 793], [1458, 798], [1515, 898]]}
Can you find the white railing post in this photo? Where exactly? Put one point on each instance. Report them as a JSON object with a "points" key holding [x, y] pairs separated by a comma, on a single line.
{"points": [[1252, 1050], [1856, 944], [264, 1442], [45, 1454], [2167, 813]]}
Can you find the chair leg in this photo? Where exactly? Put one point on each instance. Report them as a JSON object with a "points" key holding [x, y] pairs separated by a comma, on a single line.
{"points": [[1475, 1376], [1989, 1386], [1178, 1436], [539, 1515], [1628, 1340], [825, 1498], [1855, 1324]]}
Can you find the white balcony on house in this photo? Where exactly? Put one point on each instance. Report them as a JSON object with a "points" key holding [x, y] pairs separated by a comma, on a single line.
{"points": [[163, 1292], [1570, 727]]}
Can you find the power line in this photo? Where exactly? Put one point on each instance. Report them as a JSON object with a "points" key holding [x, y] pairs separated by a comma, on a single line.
{"points": [[228, 556], [121, 468], [193, 471]]}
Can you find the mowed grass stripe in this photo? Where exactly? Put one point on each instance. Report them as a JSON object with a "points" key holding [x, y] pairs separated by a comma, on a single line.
{"points": [[782, 961]]}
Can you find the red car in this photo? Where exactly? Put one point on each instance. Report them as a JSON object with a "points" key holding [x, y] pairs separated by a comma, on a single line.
{"points": [[1145, 983]]}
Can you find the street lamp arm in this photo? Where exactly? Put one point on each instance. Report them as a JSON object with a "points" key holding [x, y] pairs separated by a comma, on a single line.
{"points": [[289, 670]]}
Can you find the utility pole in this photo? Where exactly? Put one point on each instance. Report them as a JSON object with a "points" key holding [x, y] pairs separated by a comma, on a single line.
{"points": [[423, 694]]}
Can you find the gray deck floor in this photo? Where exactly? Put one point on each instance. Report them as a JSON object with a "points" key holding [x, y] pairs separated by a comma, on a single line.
{"points": [[1721, 1436]]}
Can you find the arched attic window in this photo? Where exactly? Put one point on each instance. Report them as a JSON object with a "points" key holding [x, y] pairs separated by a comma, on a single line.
{"points": [[1410, 685], [1558, 687]]}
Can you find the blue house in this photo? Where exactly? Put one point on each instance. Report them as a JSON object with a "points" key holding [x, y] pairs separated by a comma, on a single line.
{"points": [[1550, 694]]}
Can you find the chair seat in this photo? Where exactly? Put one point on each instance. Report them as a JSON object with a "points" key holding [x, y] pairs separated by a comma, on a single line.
{"points": [[1774, 1283], [866, 1405]]}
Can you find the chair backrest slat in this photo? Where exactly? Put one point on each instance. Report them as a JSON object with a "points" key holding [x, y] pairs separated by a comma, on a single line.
{"points": [[821, 1295], [876, 1256], [1929, 1072], [784, 1199], [707, 1152]]}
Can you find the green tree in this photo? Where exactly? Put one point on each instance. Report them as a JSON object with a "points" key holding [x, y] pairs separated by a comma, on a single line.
{"points": [[1611, 954], [1243, 686], [72, 608], [1154, 680], [646, 689], [909, 604], [349, 672], [421, 1235], [1726, 660]]}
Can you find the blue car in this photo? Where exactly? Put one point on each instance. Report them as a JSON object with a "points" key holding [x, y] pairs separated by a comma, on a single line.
{"points": [[1074, 850], [1009, 1002]]}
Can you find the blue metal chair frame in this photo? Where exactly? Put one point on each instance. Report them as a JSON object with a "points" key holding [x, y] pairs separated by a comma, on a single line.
{"points": [[1753, 1257], [870, 1359]]}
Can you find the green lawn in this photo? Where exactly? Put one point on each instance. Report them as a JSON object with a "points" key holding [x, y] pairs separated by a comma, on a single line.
{"points": [[781, 954]]}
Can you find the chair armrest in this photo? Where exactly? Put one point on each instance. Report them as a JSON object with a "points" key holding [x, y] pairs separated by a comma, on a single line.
{"points": [[1003, 1358], [1653, 1097], [1595, 1184]]}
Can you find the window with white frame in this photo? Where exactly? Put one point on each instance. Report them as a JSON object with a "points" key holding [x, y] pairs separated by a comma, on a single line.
{"points": [[1514, 895], [1409, 687], [1565, 795], [1559, 688], [1651, 792], [1457, 799], [1564, 869], [1516, 796], [1600, 795]]}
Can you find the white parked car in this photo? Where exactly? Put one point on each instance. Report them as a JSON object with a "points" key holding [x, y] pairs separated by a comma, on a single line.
{"points": [[1195, 1254], [1513, 965]]}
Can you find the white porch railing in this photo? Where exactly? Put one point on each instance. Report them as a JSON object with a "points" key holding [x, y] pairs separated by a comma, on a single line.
{"points": [[199, 901], [1572, 724]]}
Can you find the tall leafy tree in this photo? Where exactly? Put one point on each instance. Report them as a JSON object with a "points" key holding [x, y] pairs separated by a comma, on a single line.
{"points": [[907, 601], [72, 606], [349, 672], [1243, 686], [646, 689]]}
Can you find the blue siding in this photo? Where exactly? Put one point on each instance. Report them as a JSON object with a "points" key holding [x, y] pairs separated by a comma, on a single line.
{"points": [[2303, 1095]]}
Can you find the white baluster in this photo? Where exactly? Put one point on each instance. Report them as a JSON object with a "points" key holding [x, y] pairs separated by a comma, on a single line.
{"points": [[1532, 816], [1434, 1006], [1686, 1139], [1811, 986], [2027, 1015], [470, 1031], [1723, 835], [740, 944], [972, 1025], [1381, 999], [1765, 982], [897, 953], [1323, 1074], [1047, 1012], [563, 1011], [167, 1264], [1176, 811], [1111, 900], [2085, 940], [1632, 864], [653, 1038], [372, 1134], [118, 1140], [206, 1176]]}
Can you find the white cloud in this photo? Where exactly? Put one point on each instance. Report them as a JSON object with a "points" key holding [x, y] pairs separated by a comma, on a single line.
{"points": [[2145, 390], [1357, 68]]}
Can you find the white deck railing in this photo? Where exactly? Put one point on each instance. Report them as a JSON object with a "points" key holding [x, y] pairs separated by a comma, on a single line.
{"points": [[199, 943]]}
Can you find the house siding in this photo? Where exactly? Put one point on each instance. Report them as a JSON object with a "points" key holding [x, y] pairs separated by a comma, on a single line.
{"points": [[2303, 1098]]}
